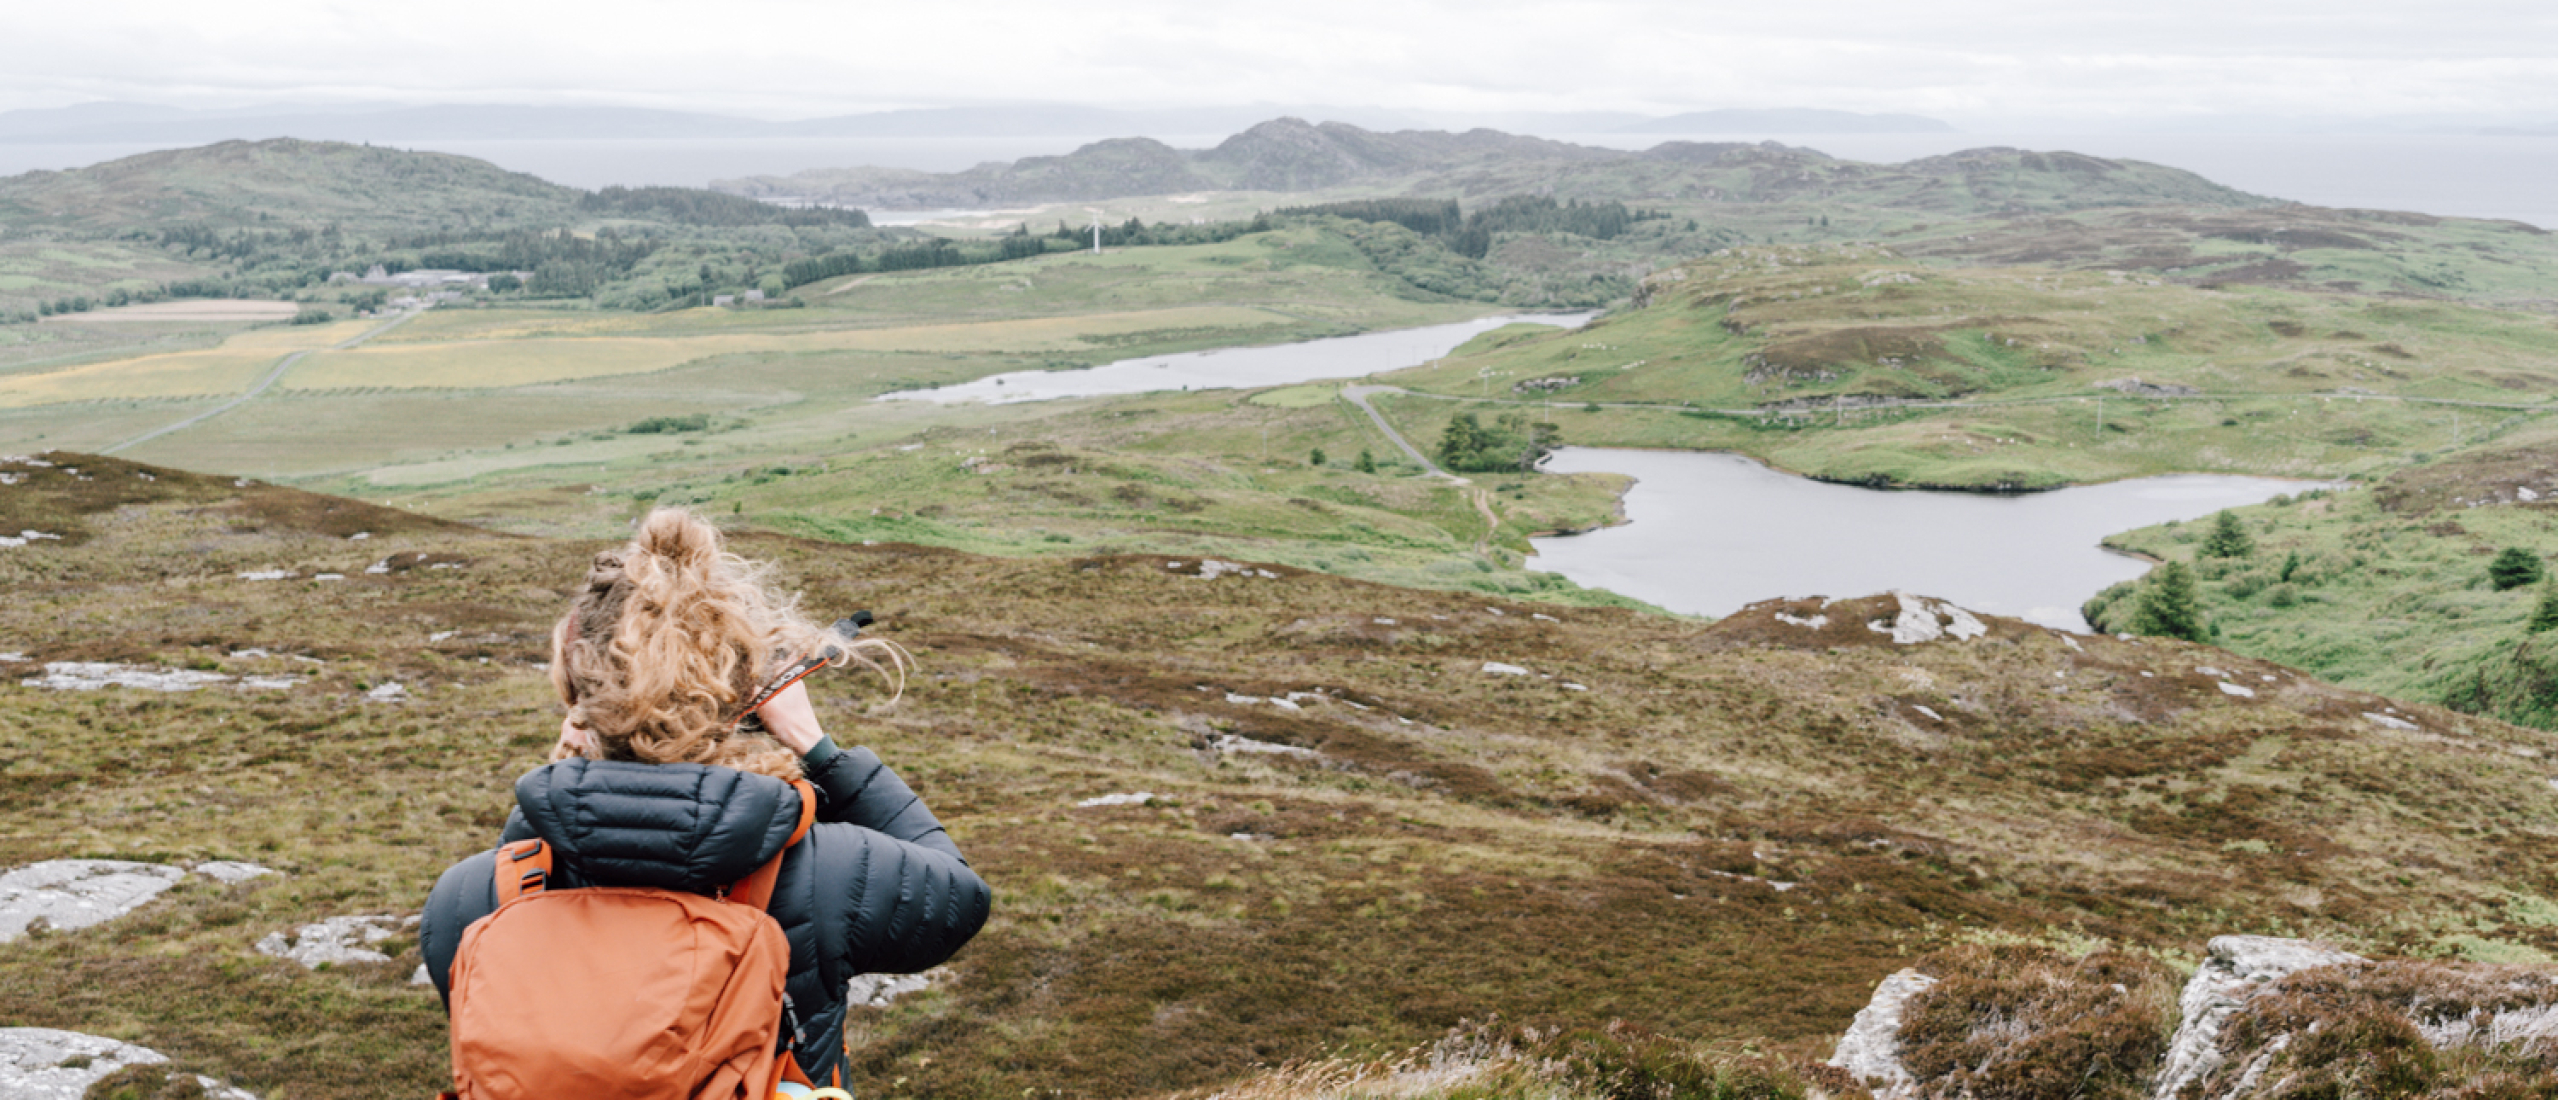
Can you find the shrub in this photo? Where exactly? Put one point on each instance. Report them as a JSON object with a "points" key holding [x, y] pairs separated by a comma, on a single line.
{"points": [[2024, 1023], [2544, 616], [2169, 607], [664, 425], [2228, 539], [2514, 568]]}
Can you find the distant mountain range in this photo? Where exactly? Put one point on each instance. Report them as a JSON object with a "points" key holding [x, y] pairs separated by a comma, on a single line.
{"points": [[142, 123], [1295, 156]]}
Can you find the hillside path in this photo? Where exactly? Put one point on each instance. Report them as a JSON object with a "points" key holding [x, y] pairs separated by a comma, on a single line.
{"points": [[1359, 395], [1480, 498], [272, 377]]}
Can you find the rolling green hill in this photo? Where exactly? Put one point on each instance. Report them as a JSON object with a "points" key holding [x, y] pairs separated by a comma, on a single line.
{"points": [[284, 184], [273, 219], [1854, 364]]}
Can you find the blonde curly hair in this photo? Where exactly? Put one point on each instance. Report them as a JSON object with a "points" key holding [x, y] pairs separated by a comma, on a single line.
{"points": [[669, 640]]}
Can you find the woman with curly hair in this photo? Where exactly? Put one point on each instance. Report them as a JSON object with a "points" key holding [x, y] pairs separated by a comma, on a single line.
{"points": [[661, 779]]}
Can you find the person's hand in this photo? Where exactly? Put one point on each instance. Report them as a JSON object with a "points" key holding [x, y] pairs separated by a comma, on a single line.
{"points": [[573, 741], [792, 719]]}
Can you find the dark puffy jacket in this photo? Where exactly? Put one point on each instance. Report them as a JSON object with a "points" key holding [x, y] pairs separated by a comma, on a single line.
{"points": [[877, 888]]}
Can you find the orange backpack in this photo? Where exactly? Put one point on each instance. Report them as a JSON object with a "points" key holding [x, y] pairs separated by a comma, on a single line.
{"points": [[622, 991]]}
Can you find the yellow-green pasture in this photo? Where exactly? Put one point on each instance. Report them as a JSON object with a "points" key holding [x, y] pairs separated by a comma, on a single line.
{"points": [[484, 364], [235, 365]]}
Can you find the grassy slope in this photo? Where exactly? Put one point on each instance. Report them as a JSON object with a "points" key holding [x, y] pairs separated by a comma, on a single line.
{"points": [[2390, 592], [1471, 843], [1785, 332], [2370, 251], [795, 439]]}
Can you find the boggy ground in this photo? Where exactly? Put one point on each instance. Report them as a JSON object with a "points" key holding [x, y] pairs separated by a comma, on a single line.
{"points": [[1723, 833]]}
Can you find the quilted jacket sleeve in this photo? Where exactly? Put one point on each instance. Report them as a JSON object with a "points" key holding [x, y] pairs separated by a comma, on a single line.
{"points": [[467, 892], [894, 896]]}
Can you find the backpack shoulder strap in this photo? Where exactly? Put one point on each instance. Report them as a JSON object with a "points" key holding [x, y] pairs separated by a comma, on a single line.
{"points": [[523, 870], [756, 888]]}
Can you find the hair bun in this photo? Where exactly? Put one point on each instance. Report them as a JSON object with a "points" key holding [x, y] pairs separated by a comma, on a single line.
{"points": [[675, 535], [604, 572]]}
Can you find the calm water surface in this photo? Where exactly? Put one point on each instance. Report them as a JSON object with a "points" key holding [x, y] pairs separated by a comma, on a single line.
{"points": [[1237, 368], [1709, 533]]}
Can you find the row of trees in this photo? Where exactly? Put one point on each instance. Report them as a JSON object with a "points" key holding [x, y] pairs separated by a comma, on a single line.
{"points": [[1471, 234], [695, 206], [1512, 442]]}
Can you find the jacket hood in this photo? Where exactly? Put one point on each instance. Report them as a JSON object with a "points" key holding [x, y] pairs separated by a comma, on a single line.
{"points": [[688, 827]]}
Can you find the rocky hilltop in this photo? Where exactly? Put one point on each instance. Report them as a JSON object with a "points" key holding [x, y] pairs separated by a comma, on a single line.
{"points": [[1237, 814]]}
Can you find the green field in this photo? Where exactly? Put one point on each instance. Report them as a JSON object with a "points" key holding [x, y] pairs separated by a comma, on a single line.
{"points": [[2386, 587], [1853, 364]]}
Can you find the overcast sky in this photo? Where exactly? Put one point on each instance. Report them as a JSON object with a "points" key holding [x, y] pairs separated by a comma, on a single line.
{"points": [[1957, 59]]}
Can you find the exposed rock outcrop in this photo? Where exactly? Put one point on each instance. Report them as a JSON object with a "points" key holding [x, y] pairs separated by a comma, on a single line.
{"points": [[67, 894], [2262, 1017], [334, 941], [877, 990], [40, 1063], [1921, 620], [1871, 1049], [2237, 969]]}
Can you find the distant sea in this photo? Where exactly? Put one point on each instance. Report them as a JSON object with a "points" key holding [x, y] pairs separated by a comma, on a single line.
{"points": [[2457, 174]]}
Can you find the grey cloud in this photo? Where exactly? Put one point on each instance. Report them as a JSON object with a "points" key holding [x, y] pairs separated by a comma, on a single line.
{"points": [[786, 57]]}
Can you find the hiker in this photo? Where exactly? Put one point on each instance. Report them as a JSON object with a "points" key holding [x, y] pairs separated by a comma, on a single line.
{"points": [[658, 781]]}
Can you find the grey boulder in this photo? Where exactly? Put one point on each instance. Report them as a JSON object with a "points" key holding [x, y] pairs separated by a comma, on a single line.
{"points": [[40, 1063]]}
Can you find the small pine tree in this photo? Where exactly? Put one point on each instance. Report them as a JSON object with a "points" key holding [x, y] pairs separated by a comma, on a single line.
{"points": [[2169, 606], [2514, 568], [1314, 457], [1367, 463], [2228, 539], [2544, 617]]}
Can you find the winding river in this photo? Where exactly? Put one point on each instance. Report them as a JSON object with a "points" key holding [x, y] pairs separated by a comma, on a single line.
{"points": [[1709, 533], [1237, 368]]}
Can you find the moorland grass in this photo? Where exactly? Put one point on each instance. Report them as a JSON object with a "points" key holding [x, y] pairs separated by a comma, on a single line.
{"points": [[1467, 844]]}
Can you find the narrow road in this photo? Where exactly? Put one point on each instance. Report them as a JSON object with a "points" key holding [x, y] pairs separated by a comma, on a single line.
{"points": [[272, 377], [1358, 395], [1480, 498]]}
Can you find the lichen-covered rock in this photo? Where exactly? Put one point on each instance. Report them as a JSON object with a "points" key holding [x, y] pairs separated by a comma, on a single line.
{"points": [[231, 873], [64, 894], [1921, 620], [332, 942], [40, 1063], [2336, 1030], [2237, 969], [877, 990], [1871, 1049]]}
